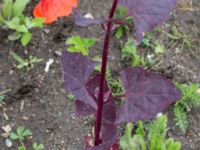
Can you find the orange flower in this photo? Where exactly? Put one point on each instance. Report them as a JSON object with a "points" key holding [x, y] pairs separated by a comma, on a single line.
{"points": [[52, 9]]}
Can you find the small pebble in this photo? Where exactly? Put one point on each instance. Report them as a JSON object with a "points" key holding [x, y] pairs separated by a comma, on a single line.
{"points": [[8, 143]]}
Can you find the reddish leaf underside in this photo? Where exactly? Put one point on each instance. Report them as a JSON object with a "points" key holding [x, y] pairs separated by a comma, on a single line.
{"points": [[147, 94], [92, 87], [147, 14]]}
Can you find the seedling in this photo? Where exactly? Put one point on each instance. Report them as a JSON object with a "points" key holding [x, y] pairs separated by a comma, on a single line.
{"points": [[148, 42], [20, 134], [114, 84], [153, 138], [38, 146], [190, 98], [145, 93], [70, 96], [78, 44], [129, 53], [11, 17], [26, 64], [121, 29]]}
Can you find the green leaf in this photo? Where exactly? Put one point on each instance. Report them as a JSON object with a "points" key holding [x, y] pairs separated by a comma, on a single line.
{"points": [[21, 148], [37, 22], [89, 42], [172, 145], [18, 58], [21, 62], [38, 146], [78, 44], [27, 132], [2, 97], [156, 139], [22, 28], [119, 32], [120, 12], [13, 136], [139, 142], [14, 23], [158, 127], [159, 49], [18, 7], [157, 142], [146, 42], [26, 37], [27, 21], [180, 117], [140, 129], [14, 36], [126, 141], [190, 98], [20, 131], [7, 9], [1, 19], [23, 132]]}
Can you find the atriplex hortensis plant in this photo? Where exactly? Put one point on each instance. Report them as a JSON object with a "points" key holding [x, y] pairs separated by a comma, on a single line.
{"points": [[146, 93]]}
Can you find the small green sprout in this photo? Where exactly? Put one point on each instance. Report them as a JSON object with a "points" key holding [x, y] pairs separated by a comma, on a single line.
{"points": [[28, 64], [78, 44], [70, 96], [20, 134], [38, 146], [129, 53], [120, 13], [2, 97]]}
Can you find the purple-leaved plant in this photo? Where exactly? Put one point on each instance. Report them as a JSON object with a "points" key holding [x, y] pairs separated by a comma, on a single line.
{"points": [[146, 93]]}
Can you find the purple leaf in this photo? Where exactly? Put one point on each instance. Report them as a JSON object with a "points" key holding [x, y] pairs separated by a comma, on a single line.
{"points": [[83, 109], [77, 70], [109, 129], [92, 87], [147, 94], [148, 13], [82, 21]]}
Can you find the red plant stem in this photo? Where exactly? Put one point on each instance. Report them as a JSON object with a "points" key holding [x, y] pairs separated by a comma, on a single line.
{"points": [[98, 119]]}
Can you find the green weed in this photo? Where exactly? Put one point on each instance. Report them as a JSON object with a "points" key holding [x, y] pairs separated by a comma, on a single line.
{"points": [[190, 98], [153, 138], [11, 17], [26, 64], [78, 44]]}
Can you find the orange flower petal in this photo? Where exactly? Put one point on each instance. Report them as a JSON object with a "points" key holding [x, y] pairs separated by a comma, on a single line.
{"points": [[52, 9]]}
